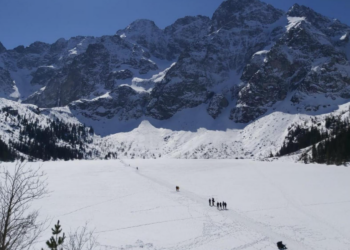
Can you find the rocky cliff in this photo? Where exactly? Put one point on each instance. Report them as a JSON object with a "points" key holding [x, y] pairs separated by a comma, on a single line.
{"points": [[249, 58]]}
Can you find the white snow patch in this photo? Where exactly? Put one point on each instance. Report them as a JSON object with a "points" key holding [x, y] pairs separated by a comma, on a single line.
{"points": [[15, 94], [294, 21], [138, 89], [146, 85], [73, 51], [48, 66], [343, 37]]}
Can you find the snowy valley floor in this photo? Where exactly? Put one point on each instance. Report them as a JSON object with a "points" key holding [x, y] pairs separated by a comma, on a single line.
{"points": [[305, 206]]}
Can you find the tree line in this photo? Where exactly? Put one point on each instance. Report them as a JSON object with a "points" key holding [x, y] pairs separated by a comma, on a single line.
{"points": [[328, 146], [6, 152], [56, 140]]}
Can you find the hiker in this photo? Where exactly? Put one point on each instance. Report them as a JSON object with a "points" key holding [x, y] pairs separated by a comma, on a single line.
{"points": [[281, 246], [209, 202], [220, 205], [217, 205], [213, 201], [224, 205]]}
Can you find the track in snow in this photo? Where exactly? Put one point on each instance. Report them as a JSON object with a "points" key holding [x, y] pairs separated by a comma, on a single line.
{"points": [[271, 236]]}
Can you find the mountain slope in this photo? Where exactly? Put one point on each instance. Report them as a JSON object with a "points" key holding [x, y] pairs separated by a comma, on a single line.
{"points": [[37, 134], [225, 86], [306, 63]]}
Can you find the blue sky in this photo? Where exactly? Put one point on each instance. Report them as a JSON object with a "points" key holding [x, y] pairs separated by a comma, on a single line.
{"points": [[25, 21]]}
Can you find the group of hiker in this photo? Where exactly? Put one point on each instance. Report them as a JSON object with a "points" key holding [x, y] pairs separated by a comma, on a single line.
{"points": [[219, 205]]}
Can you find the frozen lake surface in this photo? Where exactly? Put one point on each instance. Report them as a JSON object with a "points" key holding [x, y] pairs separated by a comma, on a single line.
{"points": [[305, 206]]}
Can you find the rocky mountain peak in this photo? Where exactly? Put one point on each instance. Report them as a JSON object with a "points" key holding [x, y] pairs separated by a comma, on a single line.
{"points": [[2, 48], [306, 62], [303, 11], [142, 23], [37, 47], [19, 49], [59, 45], [147, 34], [238, 14], [241, 63], [140, 27], [188, 23], [34, 48], [185, 30], [331, 27]]}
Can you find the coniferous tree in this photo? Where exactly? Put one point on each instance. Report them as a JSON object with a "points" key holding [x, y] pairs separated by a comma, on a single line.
{"points": [[333, 145], [6, 153], [314, 153], [56, 240]]}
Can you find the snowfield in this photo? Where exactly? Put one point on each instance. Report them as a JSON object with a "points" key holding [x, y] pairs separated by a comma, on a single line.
{"points": [[305, 206]]}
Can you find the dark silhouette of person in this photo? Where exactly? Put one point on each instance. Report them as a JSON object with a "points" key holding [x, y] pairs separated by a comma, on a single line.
{"points": [[213, 201], [224, 205], [220, 205], [280, 245], [217, 205], [209, 202]]}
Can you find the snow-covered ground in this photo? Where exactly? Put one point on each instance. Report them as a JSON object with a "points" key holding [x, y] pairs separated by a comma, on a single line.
{"points": [[305, 206], [190, 134]]}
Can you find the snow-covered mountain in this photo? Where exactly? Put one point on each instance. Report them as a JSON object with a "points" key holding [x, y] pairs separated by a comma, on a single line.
{"points": [[225, 86]]}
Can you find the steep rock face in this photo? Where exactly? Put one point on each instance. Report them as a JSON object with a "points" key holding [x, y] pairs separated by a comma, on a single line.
{"points": [[7, 87], [305, 62], [120, 75], [206, 67], [169, 43], [76, 81], [242, 14], [94, 72], [184, 86], [64, 51], [185, 31], [32, 67], [42, 76], [68, 70], [331, 27], [216, 105], [145, 33], [117, 58], [123, 102], [2, 48], [249, 57], [171, 96], [26, 57]]}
